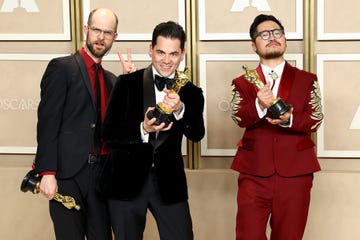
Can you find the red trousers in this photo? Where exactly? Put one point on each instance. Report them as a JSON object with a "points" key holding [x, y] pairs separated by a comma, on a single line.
{"points": [[281, 201]]}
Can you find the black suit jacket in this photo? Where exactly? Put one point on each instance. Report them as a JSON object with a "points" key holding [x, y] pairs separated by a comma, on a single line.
{"points": [[66, 116], [133, 159]]}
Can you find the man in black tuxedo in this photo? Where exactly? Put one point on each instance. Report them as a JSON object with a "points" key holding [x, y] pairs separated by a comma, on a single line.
{"points": [[147, 172], [70, 153]]}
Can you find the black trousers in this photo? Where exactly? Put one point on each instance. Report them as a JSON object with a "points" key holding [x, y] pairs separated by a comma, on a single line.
{"points": [[92, 220], [128, 218]]}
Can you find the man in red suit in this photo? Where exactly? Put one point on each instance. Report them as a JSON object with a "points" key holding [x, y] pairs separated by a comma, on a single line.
{"points": [[276, 156]]}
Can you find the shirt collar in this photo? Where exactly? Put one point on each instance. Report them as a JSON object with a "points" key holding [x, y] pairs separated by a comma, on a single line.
{"points": [[278, 69], [89, 62]]}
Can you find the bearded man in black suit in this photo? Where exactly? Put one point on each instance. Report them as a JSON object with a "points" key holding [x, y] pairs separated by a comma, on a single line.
{"points": [[70, 153]]}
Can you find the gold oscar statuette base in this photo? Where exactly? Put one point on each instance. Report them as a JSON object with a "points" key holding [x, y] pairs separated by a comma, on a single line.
{"points": [[31, 182], [277, 107]]}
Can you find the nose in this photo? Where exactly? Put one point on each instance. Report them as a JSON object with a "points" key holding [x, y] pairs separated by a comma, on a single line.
{"points": [[271, 36], [101, 35], [166, 58]]}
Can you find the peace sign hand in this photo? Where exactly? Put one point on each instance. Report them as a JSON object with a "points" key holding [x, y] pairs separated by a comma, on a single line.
{"points": [[128, 67]]}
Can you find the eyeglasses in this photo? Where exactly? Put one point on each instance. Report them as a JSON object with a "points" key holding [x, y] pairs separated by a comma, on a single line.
{"points": [[107, 33], [265, 35]]}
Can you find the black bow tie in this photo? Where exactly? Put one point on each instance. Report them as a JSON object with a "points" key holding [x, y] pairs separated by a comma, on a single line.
{"points": [[160, 82]]}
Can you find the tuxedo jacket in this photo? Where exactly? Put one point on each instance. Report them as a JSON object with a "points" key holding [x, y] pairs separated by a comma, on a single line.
{"points": [[66, 116], [265, 148], [133, 159]]}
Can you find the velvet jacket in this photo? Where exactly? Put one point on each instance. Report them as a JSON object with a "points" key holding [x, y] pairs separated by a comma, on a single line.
{"points": [[66, 116], [131, 159], [265, 148]]}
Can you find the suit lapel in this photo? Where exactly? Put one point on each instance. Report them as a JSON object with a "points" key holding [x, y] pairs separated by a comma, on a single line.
{"points": [[85, 76], [148, 89], [108, 81], [287, 80], [261, 74], [162, 136]]}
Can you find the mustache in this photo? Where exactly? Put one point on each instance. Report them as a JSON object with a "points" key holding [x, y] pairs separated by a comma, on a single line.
{"points": [[273, 41], [102, 42]]}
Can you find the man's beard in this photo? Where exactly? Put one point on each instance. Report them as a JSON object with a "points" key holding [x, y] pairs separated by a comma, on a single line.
{"points": [[272, 55], [94, 52]]}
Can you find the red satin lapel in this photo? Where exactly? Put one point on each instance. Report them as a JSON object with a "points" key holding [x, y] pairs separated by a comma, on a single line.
{"points": [[261, 74], [287, 79]]}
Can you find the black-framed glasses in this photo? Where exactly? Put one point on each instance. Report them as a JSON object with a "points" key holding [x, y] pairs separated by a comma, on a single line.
{"points": [[107, 33], [265, 35]]}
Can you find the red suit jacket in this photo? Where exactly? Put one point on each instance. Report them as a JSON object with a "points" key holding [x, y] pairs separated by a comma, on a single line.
{"points": [[266, 148]]}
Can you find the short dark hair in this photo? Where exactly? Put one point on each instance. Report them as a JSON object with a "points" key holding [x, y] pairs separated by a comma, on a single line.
{"points": [[259, 19], [171, 30]]}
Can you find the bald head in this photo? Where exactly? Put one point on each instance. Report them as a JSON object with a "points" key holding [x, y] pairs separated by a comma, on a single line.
{"points": [[103, 14]]}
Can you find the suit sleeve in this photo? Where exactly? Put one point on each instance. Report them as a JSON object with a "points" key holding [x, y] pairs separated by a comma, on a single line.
{"points": [[310, 117], [50, 110], [124, 112], [193, 120], [243, 108]]}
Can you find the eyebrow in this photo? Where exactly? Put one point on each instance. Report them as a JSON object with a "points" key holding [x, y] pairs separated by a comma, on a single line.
{"points": [[162, 51]]}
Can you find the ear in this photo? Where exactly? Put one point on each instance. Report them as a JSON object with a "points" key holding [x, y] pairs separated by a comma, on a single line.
{"points": [[115, 37], [85, 29], [150, 50], [253, 46], [183, 54]]}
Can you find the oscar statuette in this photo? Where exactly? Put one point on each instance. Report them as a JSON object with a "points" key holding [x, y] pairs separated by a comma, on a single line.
{"points": [[31, 182], [161, 112], [277, 107]]}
